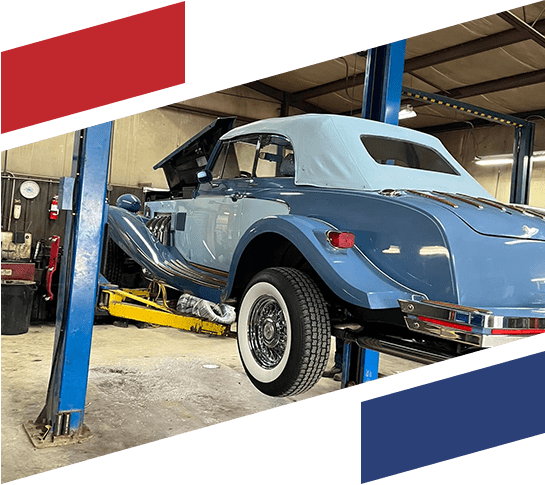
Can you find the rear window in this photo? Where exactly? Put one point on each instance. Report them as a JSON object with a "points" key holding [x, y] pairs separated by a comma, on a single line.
{"points": [[400, 153]]}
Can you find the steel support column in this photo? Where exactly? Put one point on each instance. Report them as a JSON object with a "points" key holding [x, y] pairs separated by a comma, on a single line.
{"points": [[359, 365], [523, 147], [383, 81], [61, 420], [381, 102]]}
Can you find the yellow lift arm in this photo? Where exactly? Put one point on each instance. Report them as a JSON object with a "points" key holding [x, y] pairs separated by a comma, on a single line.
{"points": [[138, 305]]}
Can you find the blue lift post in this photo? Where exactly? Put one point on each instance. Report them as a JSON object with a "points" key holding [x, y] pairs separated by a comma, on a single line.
{"points": [[523, 148], [381, 102], [61, 421]]}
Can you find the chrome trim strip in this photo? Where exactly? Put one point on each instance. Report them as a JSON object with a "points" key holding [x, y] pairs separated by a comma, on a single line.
{"points": [[460, 198], [528, 211], [429, 196], [518, 209], [486, 201], [452, 306], [216, 272]]}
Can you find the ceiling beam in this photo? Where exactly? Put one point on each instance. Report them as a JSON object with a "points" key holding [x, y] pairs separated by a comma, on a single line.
{"points": [[487, 87], [464, 125], [523, 27], [281, 96], [328, 88], [208, 112], [484, 44]]}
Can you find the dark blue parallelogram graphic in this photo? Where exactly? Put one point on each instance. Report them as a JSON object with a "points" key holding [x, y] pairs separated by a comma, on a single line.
{"points": [[453, 417]]}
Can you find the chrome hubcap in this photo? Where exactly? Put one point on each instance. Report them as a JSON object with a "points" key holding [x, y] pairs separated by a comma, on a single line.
{"points": [[267, 332]]}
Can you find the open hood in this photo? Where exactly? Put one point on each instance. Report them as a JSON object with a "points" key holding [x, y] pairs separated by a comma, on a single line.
{"points": [[183, 164]]}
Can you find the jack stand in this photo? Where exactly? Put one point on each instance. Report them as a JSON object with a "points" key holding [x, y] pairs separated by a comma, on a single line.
{"points": [[359, 365]]}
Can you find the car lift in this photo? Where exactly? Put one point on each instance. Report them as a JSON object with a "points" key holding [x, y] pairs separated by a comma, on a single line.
{"points": [[138, 305]]}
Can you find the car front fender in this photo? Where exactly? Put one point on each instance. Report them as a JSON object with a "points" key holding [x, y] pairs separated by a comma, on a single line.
{"points": [[347, 272]]}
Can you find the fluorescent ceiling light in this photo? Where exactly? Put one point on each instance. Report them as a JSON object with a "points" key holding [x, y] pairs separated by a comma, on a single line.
{"points": [[407, 112], [506, 159]]}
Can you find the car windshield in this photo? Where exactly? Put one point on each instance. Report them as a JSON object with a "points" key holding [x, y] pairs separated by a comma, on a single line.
{"points": [[401, 153]]}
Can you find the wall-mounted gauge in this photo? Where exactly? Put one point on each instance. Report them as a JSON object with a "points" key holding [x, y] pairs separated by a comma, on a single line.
{"points": [[29, 189]]}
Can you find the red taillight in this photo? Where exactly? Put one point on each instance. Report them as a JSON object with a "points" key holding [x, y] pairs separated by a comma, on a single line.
{"points": [[457, 326], [516, 331], [341, 240]]}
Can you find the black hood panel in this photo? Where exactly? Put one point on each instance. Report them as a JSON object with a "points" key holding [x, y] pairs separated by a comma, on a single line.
{"points": [[183, 164]]}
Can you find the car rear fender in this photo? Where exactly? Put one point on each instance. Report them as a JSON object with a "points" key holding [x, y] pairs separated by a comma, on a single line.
{"points": [[347, 272]]}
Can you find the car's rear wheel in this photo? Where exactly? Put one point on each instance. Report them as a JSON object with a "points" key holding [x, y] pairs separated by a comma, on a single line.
{"points": [[283, 332]]}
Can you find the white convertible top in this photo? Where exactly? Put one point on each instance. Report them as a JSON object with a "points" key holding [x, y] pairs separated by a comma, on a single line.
{"points": [[329, 153]]}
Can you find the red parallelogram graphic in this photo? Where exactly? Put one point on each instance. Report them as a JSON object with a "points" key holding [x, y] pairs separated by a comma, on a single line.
{"points": [[93, 67]]}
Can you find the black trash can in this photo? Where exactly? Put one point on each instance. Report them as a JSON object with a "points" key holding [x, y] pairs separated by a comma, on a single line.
{"points": [[17, 300]]}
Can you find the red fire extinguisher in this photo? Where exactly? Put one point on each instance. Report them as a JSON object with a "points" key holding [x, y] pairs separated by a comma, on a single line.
{"points": [[54, 208]]}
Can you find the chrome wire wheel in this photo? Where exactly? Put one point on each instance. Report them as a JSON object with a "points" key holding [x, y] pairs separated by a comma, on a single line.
{"points": [[267, 332], [264, 332], [283, 332]]}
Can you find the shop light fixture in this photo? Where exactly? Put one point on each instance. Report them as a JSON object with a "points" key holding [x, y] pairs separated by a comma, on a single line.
{"points": [[506, 159], [407, 112]]}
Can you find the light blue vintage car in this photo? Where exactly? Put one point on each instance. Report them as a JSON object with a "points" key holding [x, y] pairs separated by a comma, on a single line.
{"points": [[319, 222]]}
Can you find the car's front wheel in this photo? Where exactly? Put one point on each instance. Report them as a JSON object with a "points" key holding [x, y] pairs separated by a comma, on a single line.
{"points": [[283, 332]]}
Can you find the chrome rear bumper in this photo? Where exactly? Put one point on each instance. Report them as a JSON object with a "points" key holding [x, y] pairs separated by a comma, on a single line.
{"points": [[472, 326]]}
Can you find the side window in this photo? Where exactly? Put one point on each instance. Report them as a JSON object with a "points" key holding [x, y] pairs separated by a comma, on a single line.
{"points": [[275, 157], [236, 159], [217, 169], [402, 153]]}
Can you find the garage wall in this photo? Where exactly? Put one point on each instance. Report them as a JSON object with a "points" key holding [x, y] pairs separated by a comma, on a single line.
{"points": [[139, 142], [465, 145], [245, 103], [142, 140], [51, 158]]}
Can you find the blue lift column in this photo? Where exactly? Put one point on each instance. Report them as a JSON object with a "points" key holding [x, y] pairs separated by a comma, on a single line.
{"points": [[523, 148], [381, 102], [83, 195]]}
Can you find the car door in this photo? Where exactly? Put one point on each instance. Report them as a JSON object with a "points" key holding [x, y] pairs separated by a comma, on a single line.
{"points": [[209, 231]]}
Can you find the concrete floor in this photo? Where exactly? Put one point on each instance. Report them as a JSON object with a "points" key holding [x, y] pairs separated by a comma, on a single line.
{"points": [[144, 385]]}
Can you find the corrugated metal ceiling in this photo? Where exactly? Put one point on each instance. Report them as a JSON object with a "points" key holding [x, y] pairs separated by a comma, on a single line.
{"points": [[489, 62]]}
